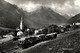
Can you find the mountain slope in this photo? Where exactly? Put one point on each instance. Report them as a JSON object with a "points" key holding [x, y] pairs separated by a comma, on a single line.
{"points": [[74, 19], [43, 16], [8, 15]]}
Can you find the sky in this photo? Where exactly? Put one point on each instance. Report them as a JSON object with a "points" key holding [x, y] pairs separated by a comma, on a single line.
{"points": [[69, 7]]}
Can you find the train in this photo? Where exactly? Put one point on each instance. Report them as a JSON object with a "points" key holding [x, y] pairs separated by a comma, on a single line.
{"points": [[32, 40]]}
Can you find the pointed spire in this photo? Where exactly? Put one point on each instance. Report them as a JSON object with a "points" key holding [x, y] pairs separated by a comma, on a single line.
{"points": [[21, 24]]}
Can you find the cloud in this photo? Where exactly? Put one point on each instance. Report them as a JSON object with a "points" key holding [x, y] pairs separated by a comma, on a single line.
{"points": [[70, 7], [40, 1], [30, 6], [77, 2]]}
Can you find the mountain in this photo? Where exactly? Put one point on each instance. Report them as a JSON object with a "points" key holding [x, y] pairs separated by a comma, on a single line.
{"points": [[67, 16], [8, 15], [74, 19], [10, 18], [43, 16]]}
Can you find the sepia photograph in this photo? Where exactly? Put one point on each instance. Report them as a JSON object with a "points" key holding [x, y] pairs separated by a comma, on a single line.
{"points": [[39, 26]]}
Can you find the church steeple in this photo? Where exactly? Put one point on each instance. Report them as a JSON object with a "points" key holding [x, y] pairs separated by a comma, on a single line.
{"points": [[21, 24]]}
